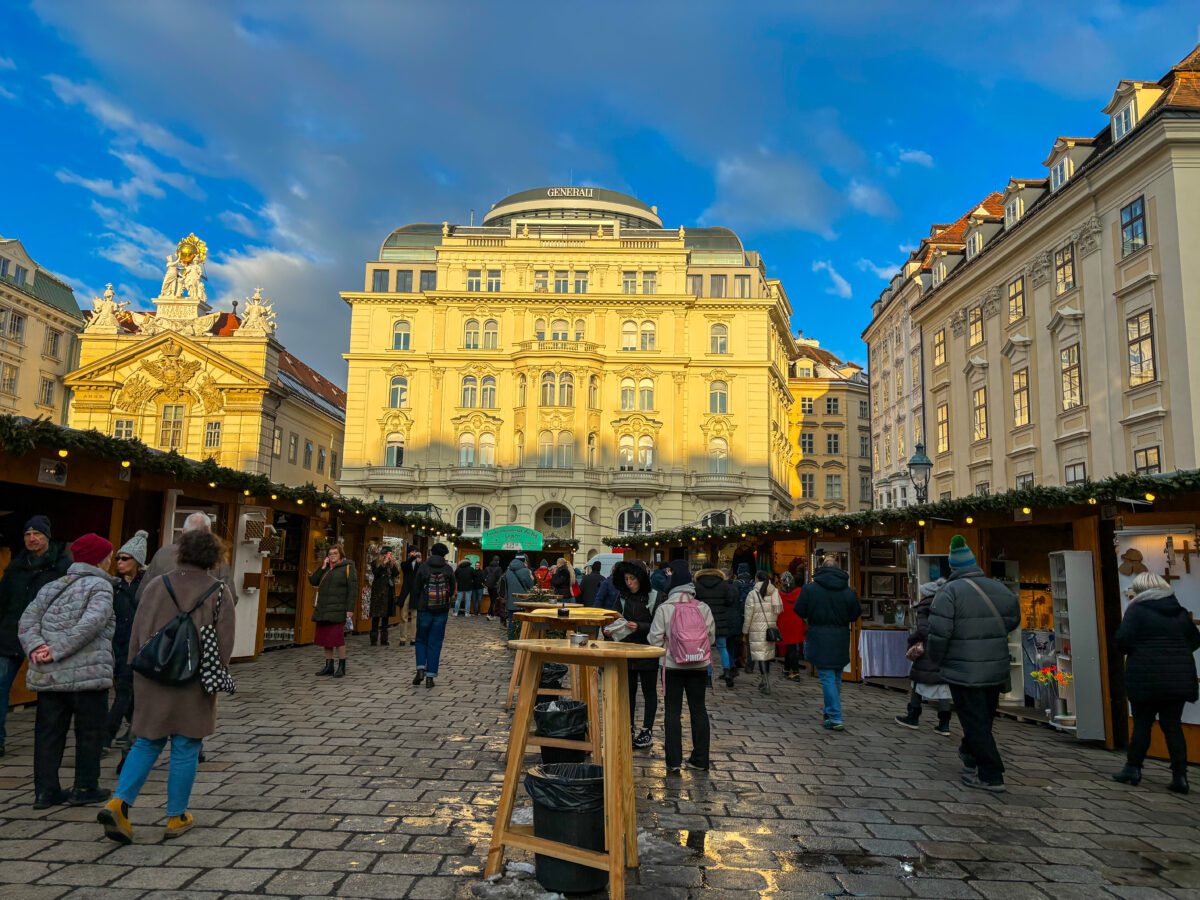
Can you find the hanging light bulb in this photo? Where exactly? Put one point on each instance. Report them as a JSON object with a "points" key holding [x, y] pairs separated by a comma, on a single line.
{"points": [[125, 464], [1026, 510], [921, 523], [970, 520], [1091, 501], [64, 453], [212, 484], [246, 492], [1149, 497], [274, 496]]}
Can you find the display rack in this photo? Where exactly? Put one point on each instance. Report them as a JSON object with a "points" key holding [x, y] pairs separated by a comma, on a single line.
{"points": [[284, 588], [1077, 640]]}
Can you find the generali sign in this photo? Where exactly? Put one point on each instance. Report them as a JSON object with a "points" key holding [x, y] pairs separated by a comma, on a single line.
{"points": [[570, 192]]}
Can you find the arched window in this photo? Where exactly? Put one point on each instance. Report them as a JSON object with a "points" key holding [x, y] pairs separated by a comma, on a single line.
{"points": [[628, 391], [594, 392], [393, 450], [487, 449], [548, 383], [520, 448], [579, 329], [487, 392], [645, 453], [647, 335], [398, 392], [522, 383], [625, 448], [566, 450], [591, 451], [635, 521], [545, 450], [718, 397], [646, 393], [717, 519], [539, 329], [718, 456], [629, 335], [473, 519], [566, 389], [558, 330], [718, 339], [470, 387], [491, 334], [556, 517], [471, 334], [466, 450], [402, 335]]}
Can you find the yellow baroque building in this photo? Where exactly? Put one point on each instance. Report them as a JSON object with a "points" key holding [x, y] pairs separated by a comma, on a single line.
{"points": [[572, 366]]}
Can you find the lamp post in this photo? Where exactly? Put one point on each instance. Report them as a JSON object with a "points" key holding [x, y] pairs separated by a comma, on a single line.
{"points": [[919, 469], [635, 516]]}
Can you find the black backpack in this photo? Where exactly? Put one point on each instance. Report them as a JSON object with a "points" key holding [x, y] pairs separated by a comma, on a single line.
{"points": [[172, 655]]}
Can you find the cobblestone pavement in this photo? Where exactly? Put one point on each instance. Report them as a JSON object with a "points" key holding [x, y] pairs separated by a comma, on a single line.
{"points": [[369, 787]]}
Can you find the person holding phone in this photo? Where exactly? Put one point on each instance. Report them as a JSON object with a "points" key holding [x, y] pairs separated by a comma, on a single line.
{"points": [[337, 586]]}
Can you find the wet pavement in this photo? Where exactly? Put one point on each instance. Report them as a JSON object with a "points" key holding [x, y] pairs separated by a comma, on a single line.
{"points": [[370, 787]]}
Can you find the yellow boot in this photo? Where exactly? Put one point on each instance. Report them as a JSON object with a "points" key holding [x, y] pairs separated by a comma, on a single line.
{"points": [[177, 825], [115, 819]]}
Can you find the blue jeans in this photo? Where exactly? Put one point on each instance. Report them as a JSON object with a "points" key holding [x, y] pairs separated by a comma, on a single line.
{"points": [[185, 755], [463, 602], [9, 666], [723, 651], [431, 631], [831, 689]]}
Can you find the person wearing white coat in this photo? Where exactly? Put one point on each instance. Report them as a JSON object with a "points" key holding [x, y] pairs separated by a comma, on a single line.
{"points": [[763, 606]]}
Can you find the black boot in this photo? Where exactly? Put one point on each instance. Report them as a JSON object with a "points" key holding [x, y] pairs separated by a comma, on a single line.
{"points": [[1179, 782], [374, 635], [419, 677], [341, 669], [1129, 775], [383, 636], [328, 670]]}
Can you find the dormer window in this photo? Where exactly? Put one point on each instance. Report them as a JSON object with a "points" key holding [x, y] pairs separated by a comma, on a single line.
{"points": [[1012, 212], [1059, 174], [939, 273], [974, 243], [1122, 122]]}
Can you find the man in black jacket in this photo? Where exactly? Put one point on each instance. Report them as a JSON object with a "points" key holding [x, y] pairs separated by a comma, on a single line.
{"points": [[433, 591], [828, 605], [721, 596], [969, 624], [406, 606], [491, 580], [589, 585]]}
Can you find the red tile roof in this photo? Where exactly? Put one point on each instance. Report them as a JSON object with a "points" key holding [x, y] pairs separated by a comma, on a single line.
{"points": [[312, 380]]}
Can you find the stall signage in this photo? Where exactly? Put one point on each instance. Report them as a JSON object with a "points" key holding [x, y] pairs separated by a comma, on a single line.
{"points": [[511, 537]]}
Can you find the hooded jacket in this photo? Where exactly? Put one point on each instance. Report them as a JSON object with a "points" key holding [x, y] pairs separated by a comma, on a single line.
{"points": [[762, 612], [828, 605], [124, 609], [560, 581], [968, 639], [589, 587], [434, 565], [721, 596], [492, 575], [383, 588], [25, 576], [464, 577], [607, 595], [336, 590], [517, 580], [660, 628], [1158, 637], [660, 580], [634, 606], [791, 626], [74, 617], [924, 669]]}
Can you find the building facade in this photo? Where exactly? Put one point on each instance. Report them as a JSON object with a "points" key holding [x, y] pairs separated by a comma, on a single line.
{"points": [[572, 366], [39, 321], [207, 384], [830, 431]]}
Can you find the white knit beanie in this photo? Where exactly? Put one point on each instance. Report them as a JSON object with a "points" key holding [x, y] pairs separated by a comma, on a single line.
{"points": [[136, 547]]}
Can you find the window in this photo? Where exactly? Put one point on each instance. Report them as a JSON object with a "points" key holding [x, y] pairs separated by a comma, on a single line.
{"points": [[803, 371], [625, 449], [394, 450], [833, 487], [333, 464], [974, 244], [566, 447], [322, 456], [277, 442], [646, 394], [718, 456], [1141, 349], [939, 347], [900, 444], [1012, 212], [741, 286], [429, 281], [293, 448], [212, 435], [864, 446], [473, 519], [864, 409], [943, 428], [833, 444], [629, 282], [466, 450], [519, 441], [16, 327], [170, 433], [539, 330], [3, 267], [549, 383], [397, 393], [1059, 173], [53, 344], [633, 521], [979, 419], [975, 326], [808, 486], [46, 392], [402, 335], [1064, 269], [1020, 392], [695, 285], [1016, 299], [629, 335], [591, 451], [471, 335], [579, 329], [1147, 461], [939, 273], [716, 519], [833, 406], [1075, 473], [806, 405], [1072, 377], [379, 281], [558, 330], [562, 282], [491, 334], [487, 392], [474, 279], [522, 385], [983, 489], [647, 336], [1024, 481], [645, 453], [899, 381], [308, 454], [628, 389], [404, 281], [566, 389], [716, 285], [1133, 226], [875, 454], [916, 370], [718, 339], [1122, 121], [123, 429], [581, 282], [649, 282], [718, 397], [541, 281], [594, 392], [493, 280], [807, 442]]}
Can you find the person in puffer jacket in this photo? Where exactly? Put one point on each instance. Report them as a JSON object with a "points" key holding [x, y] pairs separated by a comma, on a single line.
{"points": [[721, 597], [67, 632], [927, 683]]}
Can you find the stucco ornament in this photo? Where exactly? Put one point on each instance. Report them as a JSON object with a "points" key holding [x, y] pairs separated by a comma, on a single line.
{"points": [[1038, 268], [172, 371], [258, 316], [134, 394], [210, 395], [104, 313], [1087, 236], [958, 323]]}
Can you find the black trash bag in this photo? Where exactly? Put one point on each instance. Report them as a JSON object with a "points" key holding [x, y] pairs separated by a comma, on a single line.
{"points": [[567, 787], [553, 675], [568, 807], [568, 719]]}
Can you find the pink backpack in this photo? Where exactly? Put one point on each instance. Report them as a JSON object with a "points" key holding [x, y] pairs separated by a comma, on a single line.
{"points": [[688, 640]]}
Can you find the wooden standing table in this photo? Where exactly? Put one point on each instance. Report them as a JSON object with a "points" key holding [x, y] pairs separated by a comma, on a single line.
{"points": [[543, 617], [620, 808]]}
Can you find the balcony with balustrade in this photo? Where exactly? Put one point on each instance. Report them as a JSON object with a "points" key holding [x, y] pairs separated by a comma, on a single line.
{"points": [[470, 478], [719, 485], [637, 482], [574, 348]]}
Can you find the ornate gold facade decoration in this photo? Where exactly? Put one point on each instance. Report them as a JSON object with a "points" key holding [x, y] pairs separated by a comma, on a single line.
{"points": [[172, 371], [635, 425], [715, 425], [134, 394]]}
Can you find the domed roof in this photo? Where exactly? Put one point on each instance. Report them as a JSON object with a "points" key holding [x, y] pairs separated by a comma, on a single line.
{"points": [[561, 202], [421, 235], [713, 240]]}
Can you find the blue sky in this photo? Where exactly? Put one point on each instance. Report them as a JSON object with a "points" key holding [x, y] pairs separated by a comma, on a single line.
{"points": [[293, 136]]}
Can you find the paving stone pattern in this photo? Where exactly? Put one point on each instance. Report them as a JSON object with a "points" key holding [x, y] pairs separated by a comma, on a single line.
{"points": [[369, 787]]}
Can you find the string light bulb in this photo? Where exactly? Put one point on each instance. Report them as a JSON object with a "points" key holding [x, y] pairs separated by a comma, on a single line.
{"points": [[1149, 497], [274, 496], [246, 492], [1091, 501], [299, 501], [125, 464], [970, 520], [212, 484], [373, 518], [1026, 510], [324, 505], [64, 453], [920, 523]]}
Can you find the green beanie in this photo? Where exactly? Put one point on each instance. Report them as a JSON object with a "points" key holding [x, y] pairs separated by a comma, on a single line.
{"points": [[961, 556]]}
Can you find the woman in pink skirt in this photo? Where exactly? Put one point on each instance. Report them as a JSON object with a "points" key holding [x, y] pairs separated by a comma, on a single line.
{"points": [[337, 587]]}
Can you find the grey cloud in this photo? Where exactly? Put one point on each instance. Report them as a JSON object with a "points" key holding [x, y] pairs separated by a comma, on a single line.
{"points": [[765, 192]]}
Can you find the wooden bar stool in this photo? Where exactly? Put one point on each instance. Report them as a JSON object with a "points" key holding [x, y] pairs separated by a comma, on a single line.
{"points": [[620, 809]]}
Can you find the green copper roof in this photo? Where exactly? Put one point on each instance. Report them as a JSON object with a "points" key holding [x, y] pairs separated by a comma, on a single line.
{"points": [[48, 289]]}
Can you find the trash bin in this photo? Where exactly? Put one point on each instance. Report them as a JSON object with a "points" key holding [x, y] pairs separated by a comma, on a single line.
{"points": [[562, 719], [568, 807], [552, 677]]}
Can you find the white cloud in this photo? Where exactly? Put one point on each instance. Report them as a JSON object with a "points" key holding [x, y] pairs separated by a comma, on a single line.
{"points": [[6, 93], [869, 199], [916, 157], [137, 248], [770, 192], [146, 179], [839, 286], [7, 63], [236, 221], [885, 271], [908, 248]]}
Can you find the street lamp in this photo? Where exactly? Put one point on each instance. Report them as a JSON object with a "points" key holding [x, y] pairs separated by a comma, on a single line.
{"points": [[919, 469], [635, 516]]}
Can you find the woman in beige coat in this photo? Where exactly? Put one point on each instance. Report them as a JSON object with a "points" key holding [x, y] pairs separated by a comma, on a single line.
{"points": [[763, 607], [185, 713]]}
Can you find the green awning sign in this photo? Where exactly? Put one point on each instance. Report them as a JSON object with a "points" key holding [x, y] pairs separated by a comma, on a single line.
{"points": [[511, 537]]}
